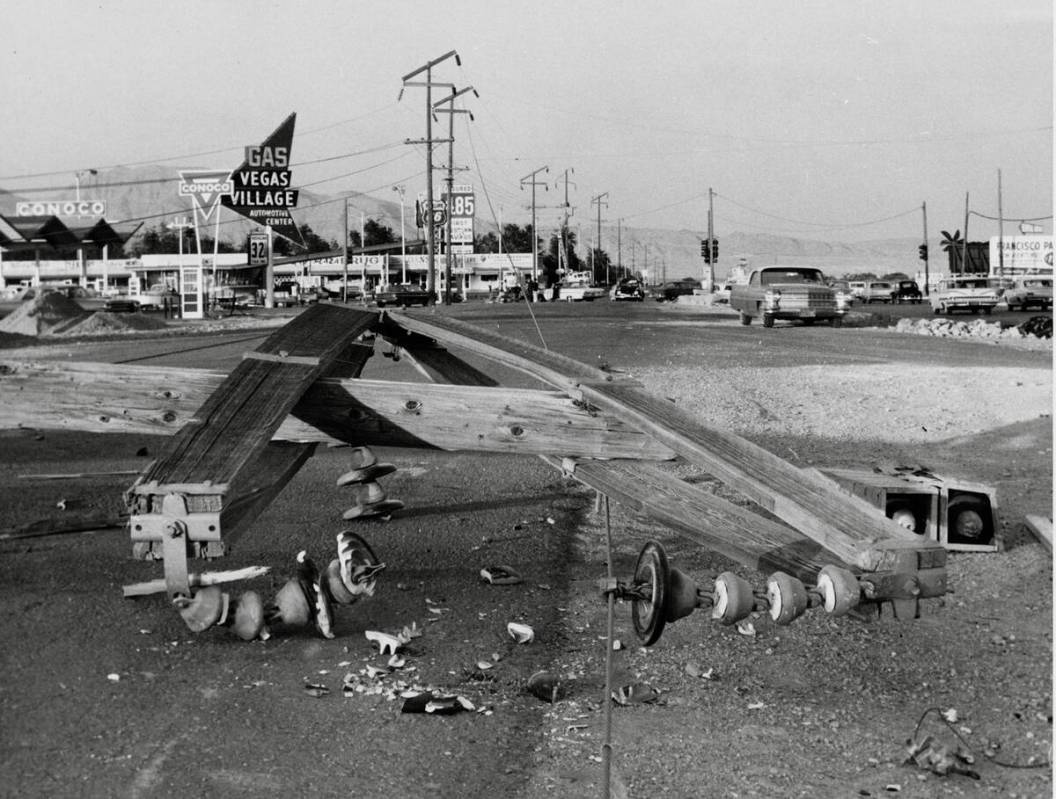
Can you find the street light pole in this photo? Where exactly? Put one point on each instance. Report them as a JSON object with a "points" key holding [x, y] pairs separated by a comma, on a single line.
{"points": [[430, 245]]}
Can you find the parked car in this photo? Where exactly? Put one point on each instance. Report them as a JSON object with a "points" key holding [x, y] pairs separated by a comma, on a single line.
{"points": [[403, 294], [788, 292], [855, 288], [629, 289], [877, 291], [1029, 290], [121, 305], [972, 293], [672, 290], [907, 291]]}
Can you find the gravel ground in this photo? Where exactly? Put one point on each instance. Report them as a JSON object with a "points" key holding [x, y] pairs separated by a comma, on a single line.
{"points": [[825, 707]]}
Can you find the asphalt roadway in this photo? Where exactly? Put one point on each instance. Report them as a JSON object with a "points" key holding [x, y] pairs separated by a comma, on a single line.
{"points": [[104, 696]]}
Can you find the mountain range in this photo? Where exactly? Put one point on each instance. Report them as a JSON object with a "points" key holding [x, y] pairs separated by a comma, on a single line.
{"points": [[149, 195]]}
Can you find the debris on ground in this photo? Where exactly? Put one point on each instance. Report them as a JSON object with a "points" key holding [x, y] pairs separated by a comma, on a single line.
{"points": [[545, 685], [638, 693], [500, 575], [939, 758], [521, 633]]}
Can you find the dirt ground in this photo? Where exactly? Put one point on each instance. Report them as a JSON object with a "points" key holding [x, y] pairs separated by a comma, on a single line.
{"points": [[825, 707], [821, 708]]}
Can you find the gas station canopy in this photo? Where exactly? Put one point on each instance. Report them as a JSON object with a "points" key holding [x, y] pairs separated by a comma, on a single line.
{"points": [[20, 233]]}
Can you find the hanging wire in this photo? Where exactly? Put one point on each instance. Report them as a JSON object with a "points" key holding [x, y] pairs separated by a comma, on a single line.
{"points": [[495, 221]]}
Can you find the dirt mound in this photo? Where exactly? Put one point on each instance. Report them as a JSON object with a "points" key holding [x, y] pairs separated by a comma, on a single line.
{"points": [[48, 312], [102, 322]]}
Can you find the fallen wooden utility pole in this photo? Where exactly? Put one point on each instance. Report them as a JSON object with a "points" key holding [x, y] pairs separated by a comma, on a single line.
{"points": [[110, 398], [810, 502]]}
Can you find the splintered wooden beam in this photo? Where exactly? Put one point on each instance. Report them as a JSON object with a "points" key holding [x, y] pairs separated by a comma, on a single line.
{"points": [[809, 501], [112, 398], [732, 530]]}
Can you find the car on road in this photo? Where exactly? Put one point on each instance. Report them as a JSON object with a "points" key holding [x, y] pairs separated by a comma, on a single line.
{"points": [[907, 291], [877, 291], [672, 290], [1029, 291], [629, 289], [788, 292], [972, 293], [404, 294]]}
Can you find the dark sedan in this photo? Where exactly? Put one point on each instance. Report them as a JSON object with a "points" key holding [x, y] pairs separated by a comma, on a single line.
{"points": [[402, 294], [907, 291], [674, 289], [627, 289]]}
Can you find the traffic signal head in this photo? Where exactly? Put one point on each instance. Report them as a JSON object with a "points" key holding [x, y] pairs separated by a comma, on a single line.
{"points": [[704, 248], [923, 251], [714, 250]]}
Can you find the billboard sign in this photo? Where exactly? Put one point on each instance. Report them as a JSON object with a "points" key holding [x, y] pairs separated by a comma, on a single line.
{"points": [[206, 188], [262, 184], [1018, 255], [461, 206]]}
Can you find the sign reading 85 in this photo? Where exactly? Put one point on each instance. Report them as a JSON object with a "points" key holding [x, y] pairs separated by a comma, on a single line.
{"points": [[462, 205]]}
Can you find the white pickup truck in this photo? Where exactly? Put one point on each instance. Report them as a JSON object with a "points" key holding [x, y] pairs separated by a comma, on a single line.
{"points": [[578, 287]]}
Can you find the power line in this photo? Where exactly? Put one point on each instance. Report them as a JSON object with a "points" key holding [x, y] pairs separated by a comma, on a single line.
{"points": [[822, 225], [188, 156], [170, 178]]}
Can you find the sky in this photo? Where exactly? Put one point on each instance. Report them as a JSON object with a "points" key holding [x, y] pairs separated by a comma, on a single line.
{"points": [[829, 120]]}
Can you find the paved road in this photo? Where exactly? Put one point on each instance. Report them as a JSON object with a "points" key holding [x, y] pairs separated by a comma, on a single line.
{"points": [[109, 697]]}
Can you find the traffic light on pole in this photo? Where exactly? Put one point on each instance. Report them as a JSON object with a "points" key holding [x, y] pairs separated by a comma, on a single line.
{"points": [[714, 250], [704, 249], [923, 251]]}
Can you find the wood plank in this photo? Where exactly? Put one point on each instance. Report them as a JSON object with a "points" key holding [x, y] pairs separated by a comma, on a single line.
{"points": [[807, 500], [98, 397]]}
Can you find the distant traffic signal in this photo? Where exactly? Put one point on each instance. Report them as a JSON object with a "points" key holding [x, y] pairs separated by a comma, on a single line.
{"points": [[923, 252], [714, 250], [704, 248]]}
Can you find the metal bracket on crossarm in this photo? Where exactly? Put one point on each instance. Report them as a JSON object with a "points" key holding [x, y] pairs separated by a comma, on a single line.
{"points": [[176, 529]]}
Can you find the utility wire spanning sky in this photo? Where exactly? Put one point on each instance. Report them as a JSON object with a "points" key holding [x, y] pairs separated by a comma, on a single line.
{"points": [[824, 120]]}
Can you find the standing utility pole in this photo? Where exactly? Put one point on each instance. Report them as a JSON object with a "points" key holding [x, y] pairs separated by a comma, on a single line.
{"points": [[430, 245], [598, 200], [1000, 230], [562, 253], [344, 290], [710, 282], [964, 248], [619, 248], [451, 111], [403, 234], [927, 277], [530, 178]]}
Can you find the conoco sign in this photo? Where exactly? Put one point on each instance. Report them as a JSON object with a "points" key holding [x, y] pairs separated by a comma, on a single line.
{"points": [[61, 208]]}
